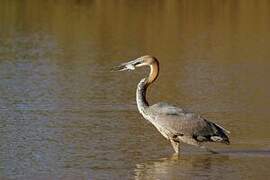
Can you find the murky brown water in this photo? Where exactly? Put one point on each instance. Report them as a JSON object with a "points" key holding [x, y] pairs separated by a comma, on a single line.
{"points": [[64, 115]]}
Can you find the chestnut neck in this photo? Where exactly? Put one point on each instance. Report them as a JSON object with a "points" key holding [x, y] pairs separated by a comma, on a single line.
{"points": [[142, 103]]}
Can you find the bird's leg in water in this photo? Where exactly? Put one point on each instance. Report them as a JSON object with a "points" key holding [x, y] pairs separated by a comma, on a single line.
{"points": [[175, 145]]}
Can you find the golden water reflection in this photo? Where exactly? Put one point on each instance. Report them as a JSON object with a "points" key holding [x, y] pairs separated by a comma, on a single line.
{"points": [[198, 166], [62, 112]]}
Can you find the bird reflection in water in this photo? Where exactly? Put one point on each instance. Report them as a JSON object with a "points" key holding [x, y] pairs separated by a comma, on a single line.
{"points": [[184, 167]]}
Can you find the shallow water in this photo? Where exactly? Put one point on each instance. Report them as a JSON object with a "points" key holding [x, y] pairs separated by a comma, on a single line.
{"points": [[64, 115]]}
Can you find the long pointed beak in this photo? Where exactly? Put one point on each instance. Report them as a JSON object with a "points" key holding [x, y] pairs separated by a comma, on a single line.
{"points": [[123, 67], [127, 66]]}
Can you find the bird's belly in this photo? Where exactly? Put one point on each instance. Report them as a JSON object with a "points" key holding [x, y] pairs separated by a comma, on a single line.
{"points": [[163, 131]]}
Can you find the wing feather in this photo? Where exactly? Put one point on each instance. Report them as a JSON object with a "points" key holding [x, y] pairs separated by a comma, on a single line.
{"points": [[172, 121]]}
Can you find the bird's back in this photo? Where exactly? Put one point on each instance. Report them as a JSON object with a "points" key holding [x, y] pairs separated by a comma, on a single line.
{"points": [[175, 122]]}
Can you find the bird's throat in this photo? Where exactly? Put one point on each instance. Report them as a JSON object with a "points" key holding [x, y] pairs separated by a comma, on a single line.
{"points": [[154, 71]]}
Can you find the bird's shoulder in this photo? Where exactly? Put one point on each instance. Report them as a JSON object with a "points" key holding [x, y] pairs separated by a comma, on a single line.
{"points": [[163, 109]]}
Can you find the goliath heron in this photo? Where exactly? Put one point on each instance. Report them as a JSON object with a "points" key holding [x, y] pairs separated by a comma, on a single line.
{"points": [[175, 124]]}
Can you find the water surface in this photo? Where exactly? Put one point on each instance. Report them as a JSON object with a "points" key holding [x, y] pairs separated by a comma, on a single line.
{"points": [[64, 115]]}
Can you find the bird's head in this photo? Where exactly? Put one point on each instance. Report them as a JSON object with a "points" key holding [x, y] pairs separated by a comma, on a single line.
{"points": [[139, 62]]}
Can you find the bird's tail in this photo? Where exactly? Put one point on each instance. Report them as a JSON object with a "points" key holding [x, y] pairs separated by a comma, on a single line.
{"points": [[220, 134]]}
